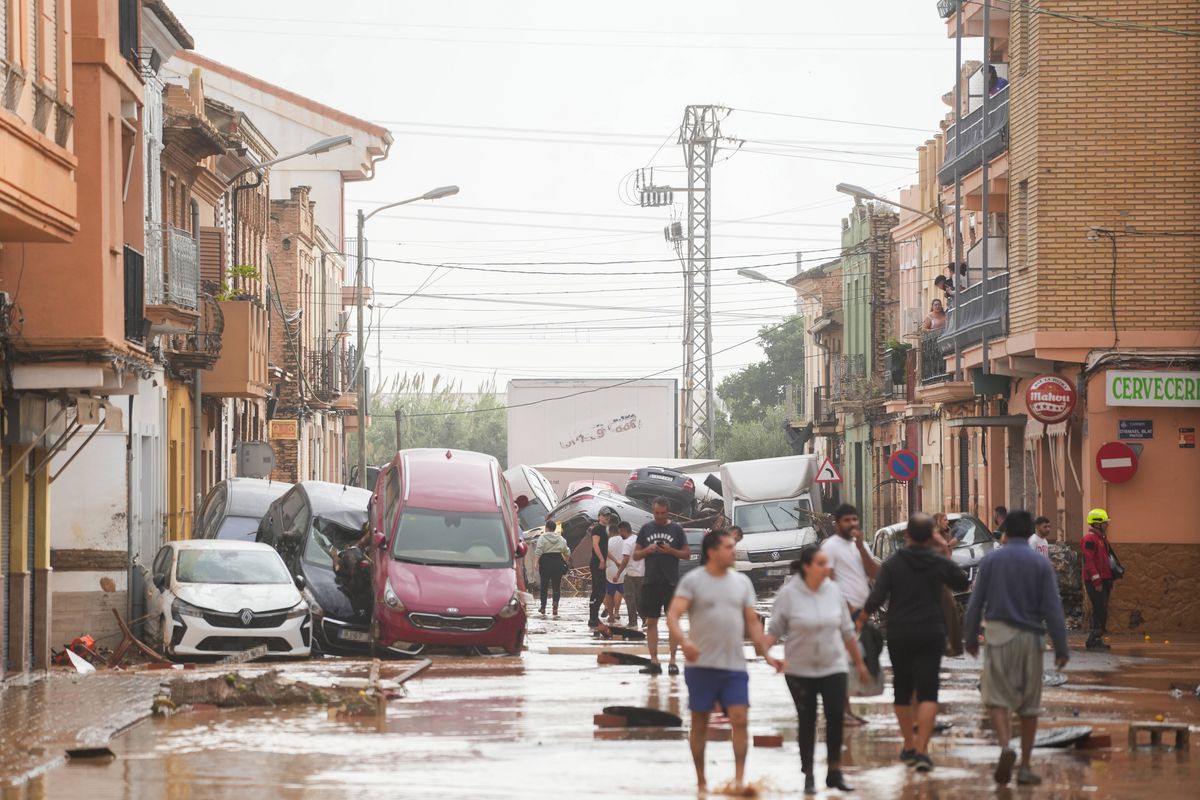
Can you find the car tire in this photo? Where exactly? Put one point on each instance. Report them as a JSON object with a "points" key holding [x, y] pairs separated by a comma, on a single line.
{"points": [[518, 644]]}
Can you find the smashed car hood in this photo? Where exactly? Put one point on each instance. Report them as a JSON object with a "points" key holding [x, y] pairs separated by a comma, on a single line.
{"points": [[233, 597]]}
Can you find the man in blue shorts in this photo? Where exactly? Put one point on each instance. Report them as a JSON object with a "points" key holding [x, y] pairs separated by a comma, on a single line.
{"points": [[719, 602]]}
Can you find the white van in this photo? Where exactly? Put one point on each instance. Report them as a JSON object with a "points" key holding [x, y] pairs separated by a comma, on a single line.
{"points": [[772, 500]]}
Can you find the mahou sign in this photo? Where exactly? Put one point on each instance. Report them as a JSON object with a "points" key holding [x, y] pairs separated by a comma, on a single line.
{"points": [[1050, 399]]}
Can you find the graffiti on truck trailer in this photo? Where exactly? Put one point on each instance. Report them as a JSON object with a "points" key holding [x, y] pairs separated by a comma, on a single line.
{"points": [[621, 424]]}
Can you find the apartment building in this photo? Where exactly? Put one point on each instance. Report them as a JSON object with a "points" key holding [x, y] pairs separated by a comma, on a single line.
{"points": [[1070, 182]]}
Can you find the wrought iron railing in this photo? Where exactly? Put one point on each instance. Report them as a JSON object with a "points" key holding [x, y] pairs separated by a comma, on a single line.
{"points": [[183, 268], [933, 362], [849, 376], [155, 289], [823, 412]]}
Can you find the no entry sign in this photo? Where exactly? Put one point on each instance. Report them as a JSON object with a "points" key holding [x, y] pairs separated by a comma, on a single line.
{"points": [[903, 465], [1116, 462]]}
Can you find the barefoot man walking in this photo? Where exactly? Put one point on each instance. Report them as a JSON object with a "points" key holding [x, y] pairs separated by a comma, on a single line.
{"points": [[719, 602]]}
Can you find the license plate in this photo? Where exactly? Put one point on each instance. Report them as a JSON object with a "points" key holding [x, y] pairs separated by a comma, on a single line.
{"points": [[666, 478], [348, 635], [778, 571]]}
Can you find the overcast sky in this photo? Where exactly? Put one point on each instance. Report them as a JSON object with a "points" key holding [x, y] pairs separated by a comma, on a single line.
{"points": [[541, 112]]}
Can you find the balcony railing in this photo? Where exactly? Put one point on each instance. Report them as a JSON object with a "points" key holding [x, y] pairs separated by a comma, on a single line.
{"points": [[976, 314], [849, 376], [135, 295], [183, 268], [976, 138], [172, 268], [933, 362], [326, 375], [823, 413]]}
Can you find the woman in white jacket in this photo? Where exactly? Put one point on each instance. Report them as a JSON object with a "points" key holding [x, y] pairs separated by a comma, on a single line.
{"points": [[812, 619], [552, 556]]}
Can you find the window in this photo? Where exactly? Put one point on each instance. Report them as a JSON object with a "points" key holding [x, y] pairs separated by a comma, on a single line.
{"points": [[773, 515], [325, 538], [243, 529], [968, 531], [162, 562], [426, 536], [211, 513], [391, 501]]}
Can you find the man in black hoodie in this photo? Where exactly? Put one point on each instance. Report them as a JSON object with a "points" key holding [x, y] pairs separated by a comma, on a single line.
{"points": [[911, 582]]}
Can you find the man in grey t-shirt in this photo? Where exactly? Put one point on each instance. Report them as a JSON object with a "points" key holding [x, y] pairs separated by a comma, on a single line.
{"points": [[719, 603]]}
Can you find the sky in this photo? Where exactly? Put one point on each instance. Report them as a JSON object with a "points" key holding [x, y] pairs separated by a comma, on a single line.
{"points": [[544, 111]]}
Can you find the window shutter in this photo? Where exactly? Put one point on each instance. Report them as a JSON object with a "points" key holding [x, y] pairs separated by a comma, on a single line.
{"points": [[212, 258]]}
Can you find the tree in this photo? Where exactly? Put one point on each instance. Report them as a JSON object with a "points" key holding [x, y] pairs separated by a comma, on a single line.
{"points": [[757, 438], [436, 413], [752, 391]]}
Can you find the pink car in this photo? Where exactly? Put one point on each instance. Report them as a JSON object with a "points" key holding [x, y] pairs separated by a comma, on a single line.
{"points": [[447, 552]]}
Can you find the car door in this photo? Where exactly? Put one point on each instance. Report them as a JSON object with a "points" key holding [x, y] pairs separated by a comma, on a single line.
{"points": [[295, 517], [158, 598]]}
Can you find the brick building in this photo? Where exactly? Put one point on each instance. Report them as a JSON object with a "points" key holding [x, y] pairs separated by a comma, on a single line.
{"points": [[1072, 180], [309, 346]]}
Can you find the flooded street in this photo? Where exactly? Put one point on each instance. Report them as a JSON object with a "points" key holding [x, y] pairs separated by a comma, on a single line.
{"points": [[503, 727]]}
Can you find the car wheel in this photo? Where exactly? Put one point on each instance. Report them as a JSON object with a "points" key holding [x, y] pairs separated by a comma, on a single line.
{"points": [[518, 644]]}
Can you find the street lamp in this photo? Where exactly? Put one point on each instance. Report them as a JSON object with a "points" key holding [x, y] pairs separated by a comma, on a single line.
{"points": [[432, 194], [755, 275], [316, 148], [859, 193]]}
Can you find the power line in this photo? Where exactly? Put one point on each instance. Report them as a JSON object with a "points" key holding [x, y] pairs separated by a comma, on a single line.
{"points": [[835, 121], [593, 390], [1088, 19]]}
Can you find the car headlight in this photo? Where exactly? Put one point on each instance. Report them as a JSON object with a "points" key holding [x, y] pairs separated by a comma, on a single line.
{"points": [[512, 607], [742, 555], [301, 609], [390, 599], [181, 608]]}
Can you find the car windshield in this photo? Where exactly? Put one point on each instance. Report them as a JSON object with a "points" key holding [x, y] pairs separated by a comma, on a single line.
{"points": [[449, 537], [230, 566], [532, 515], [773, 515], [325, 536], [968, 531], [242, 529]]}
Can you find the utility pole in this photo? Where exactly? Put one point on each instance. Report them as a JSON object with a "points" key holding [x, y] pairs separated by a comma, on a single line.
{"points": [[698, 134]]}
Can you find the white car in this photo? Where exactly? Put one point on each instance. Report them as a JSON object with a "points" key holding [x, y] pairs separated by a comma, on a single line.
{"points": [[213, 597]]}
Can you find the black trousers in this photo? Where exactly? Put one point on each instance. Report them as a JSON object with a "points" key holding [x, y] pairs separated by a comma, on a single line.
{"points": [[832, 690], [551, 582], [1099, 600], [598, 585]]}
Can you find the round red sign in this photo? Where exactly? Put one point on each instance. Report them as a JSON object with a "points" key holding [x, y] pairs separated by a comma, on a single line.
{"points": [[1116, 462], [1050, 399]]}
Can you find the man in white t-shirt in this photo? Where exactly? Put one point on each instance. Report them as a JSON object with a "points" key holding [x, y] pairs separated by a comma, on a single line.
{"points": [[633, 574], [853, 565], [853, 569], [1040, 541]]}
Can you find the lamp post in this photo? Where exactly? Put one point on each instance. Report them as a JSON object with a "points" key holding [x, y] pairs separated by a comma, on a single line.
{"points": [[859, 193], [432, 194]]}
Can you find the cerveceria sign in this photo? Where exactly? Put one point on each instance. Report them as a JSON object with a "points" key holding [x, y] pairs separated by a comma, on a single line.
{"points": [[1146, 388], [1050, 399]]}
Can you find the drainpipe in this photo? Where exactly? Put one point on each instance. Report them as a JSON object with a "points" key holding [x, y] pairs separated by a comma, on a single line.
{"points": [[130, 603], [957, 177], [987, 92], [197, 397]]}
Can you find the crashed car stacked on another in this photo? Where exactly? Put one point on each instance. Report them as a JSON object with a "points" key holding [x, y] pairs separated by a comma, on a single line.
{"points": [[314, 527]]}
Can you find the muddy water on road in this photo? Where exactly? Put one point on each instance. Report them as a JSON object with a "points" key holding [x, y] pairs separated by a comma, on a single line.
{"points": [[522, 727]]}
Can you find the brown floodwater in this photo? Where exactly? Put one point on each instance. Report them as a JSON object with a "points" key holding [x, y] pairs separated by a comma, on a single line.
{"points": [[500, 727]]}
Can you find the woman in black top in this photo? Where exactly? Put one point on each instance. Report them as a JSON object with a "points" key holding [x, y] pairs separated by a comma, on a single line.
{"points": [[911, 582]]}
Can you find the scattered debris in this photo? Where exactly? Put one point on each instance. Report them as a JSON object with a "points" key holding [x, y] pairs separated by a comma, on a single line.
{"points": [[244, 656], [81, 665], [84, 648], [1177, 693], [1053, 678], [1095, 742], [1156, 731], [233, 690], [93, 753], [1057, 737], [618, 657], [639, 717], [128, 641], [603, 631], [768, 740]]}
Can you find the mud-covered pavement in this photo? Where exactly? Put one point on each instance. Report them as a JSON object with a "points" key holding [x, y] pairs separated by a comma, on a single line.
{"points": [[501, 727]]}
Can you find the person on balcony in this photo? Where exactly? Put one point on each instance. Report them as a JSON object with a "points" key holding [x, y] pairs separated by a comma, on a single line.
{"points": [[995, 82], [936, 319], [946, 285]]}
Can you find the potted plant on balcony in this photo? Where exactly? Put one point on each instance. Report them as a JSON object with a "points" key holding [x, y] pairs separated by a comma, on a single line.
{"points": [[241, 272], [895, 356]]}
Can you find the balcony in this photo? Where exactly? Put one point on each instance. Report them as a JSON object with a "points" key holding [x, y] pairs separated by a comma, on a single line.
{"points": [[824, 417], [976, 138], [853, 385], [933, 360], [172, 279], [200, 346], [38, 194], [241, 370], [327, 375], [976, 314]]}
